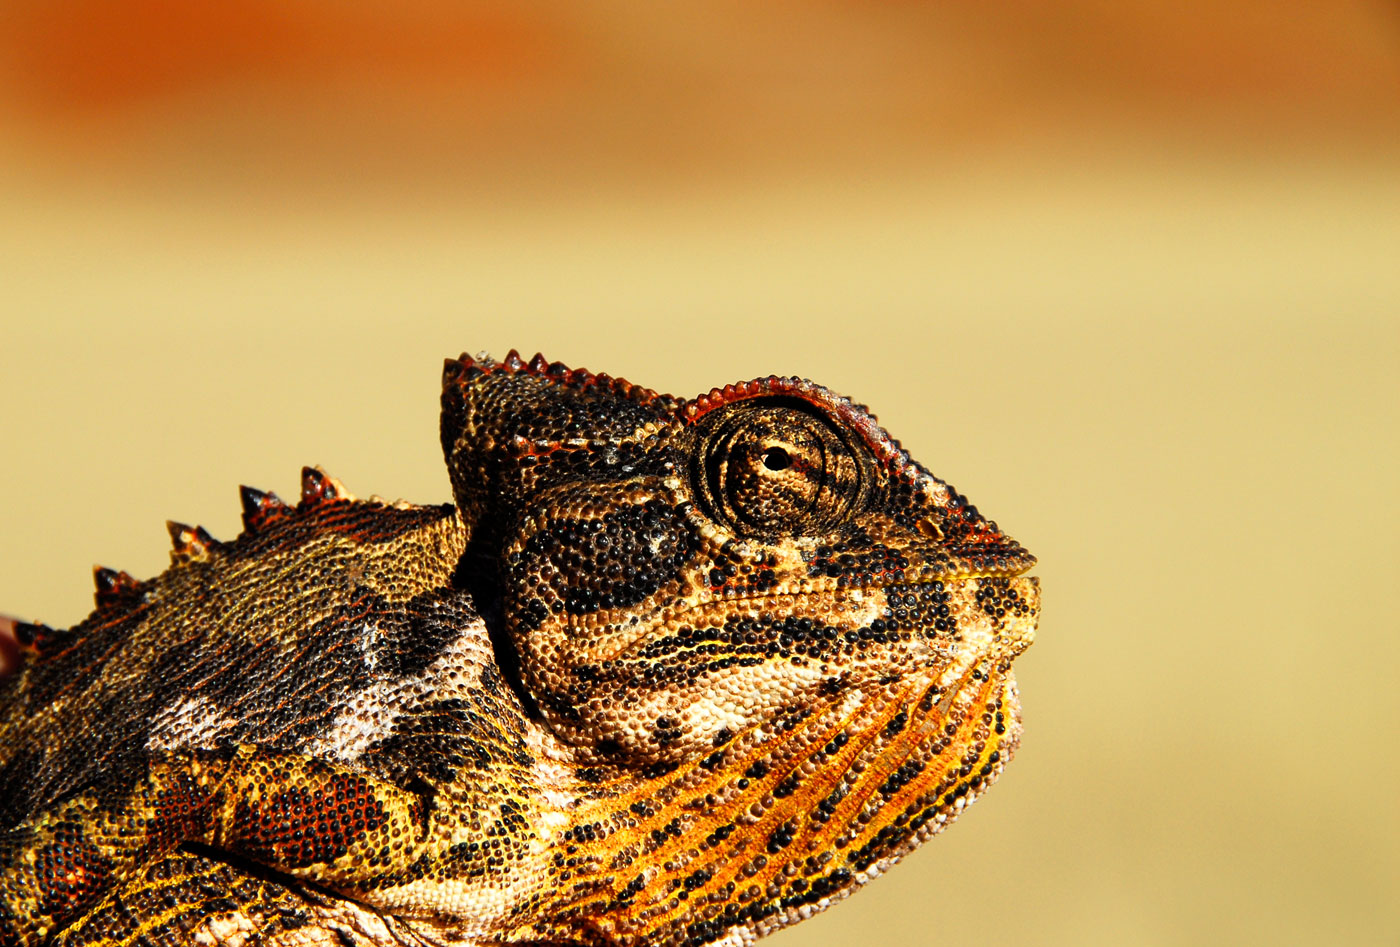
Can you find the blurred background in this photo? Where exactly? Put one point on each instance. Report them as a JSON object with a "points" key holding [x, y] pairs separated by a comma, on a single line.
{"points": [[1125, 273]]}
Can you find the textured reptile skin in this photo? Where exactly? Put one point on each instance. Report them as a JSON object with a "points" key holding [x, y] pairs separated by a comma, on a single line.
{"points": [[666, 672]]}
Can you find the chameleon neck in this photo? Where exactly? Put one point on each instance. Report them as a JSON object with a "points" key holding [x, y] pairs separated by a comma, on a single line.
{"points": [[779, 821]]}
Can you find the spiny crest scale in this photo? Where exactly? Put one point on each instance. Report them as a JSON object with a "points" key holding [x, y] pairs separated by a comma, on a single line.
{"points": [[37, 637], [189, 543], [112, 585], [319, 487], [261, 508], [467, 366]]}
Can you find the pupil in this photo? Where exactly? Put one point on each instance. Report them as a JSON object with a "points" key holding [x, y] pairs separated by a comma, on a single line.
{"points": [[775, 458]]}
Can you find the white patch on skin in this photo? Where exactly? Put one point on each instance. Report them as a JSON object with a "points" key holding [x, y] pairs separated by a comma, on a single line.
{"points": [[367, 718], [194, 722], [224, 930], [329, 924], [710, 716], [369, 715], [737, 937], [369, 644]]}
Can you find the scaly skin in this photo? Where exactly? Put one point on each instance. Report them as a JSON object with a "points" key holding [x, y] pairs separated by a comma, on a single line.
{"points": [[667, 672]]}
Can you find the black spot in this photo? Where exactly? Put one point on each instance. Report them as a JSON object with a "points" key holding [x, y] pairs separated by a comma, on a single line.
{"points": [[414, 638], [612, 562]]}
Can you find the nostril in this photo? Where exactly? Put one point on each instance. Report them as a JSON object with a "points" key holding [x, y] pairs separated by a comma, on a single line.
{"points": [[927, 527], [775, 458]]}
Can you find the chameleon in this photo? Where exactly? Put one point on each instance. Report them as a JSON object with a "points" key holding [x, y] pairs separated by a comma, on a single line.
{"points": [[664, 671]]}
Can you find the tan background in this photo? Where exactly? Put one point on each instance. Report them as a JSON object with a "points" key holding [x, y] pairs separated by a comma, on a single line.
{"points": [[1126, 273]]}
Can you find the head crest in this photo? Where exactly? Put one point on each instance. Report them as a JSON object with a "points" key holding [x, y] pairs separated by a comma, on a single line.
{"points": [[496, 413], [466, 368]]}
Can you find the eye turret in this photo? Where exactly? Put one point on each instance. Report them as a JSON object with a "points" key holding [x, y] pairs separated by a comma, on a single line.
{"points": [[770, 468]]}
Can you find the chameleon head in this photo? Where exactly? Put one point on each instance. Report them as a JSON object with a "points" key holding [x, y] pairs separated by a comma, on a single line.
{"points": [[681, 573]]}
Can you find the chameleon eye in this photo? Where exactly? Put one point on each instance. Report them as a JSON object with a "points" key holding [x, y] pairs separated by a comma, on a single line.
{"points": [[775, 469]]}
